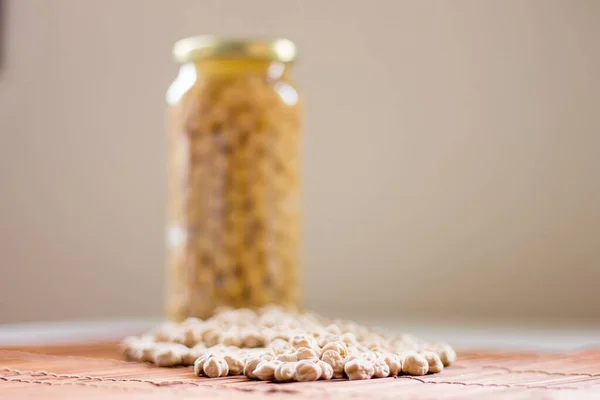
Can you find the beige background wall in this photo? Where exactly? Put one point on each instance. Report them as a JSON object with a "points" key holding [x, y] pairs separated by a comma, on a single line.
{"points": [[452, 153]]}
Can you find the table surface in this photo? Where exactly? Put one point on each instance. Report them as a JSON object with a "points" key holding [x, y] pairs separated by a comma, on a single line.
{"points": [[68, 368]]}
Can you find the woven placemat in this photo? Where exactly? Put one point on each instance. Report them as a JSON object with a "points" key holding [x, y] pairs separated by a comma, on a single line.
{"points": [[95, 370]]}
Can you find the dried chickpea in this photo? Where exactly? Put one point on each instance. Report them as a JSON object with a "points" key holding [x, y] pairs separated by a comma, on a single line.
{"points": [[445, 352], [191, 355], [280, 346], [287, 357], [336, 361], [168, 332], [212, 337], [231, 338], [199, 366], [138, 349], [251, 338], [380, 369], [349, 339], [234, 363], [337, 346], [307, 371], [285, 371], [369, 356], [326, 370], [393, 362], [251, 364], [169, 355], [265, 370], [324, 340], [215, 366], [191, 336], [146, 352], [267, 357], [358, 368], [304, 353], [304, 341], [415, 364], [377, 346], [435, 365]]}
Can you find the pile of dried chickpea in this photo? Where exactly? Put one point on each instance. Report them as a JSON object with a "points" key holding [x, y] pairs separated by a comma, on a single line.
{"points": [[275, 344]]}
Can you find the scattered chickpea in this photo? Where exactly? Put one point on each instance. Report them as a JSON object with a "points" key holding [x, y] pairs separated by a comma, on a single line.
{"points": [[234, 363], [285, 371], [190, 356], [139, 349], [231, 338], [380, 369], [358, 368], [336, 361], [128, 346], [282, 334], [337, 346], [433, 361], [370, 356], [305, 353], [251, 338], [326, 370], [162, 330], [215, 366], [251, 364], [394, 364], [167, 332], [415, 364], [212, 337], [377, 346], [199, 366], [349, 339], [169, 355], [191, 336], [265, 370], [280, 346], [445, 352], [287, 357], [304, 341], [307, 371]]}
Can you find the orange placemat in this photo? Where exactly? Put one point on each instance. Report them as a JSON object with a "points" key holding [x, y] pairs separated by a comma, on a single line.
{"points": [[96, 370]]}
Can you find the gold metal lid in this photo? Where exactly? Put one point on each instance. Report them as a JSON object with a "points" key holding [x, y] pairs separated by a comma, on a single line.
{"points": [[203, 47]]}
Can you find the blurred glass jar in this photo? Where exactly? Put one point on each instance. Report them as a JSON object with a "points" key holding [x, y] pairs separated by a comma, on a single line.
{"points": [[234, 131]]}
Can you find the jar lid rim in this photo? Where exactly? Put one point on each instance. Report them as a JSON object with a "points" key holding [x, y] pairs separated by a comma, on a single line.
{"points": [[195, 48]]}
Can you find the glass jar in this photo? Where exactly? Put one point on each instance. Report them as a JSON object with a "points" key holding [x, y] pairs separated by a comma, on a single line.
{"points": [[234, 131]]}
